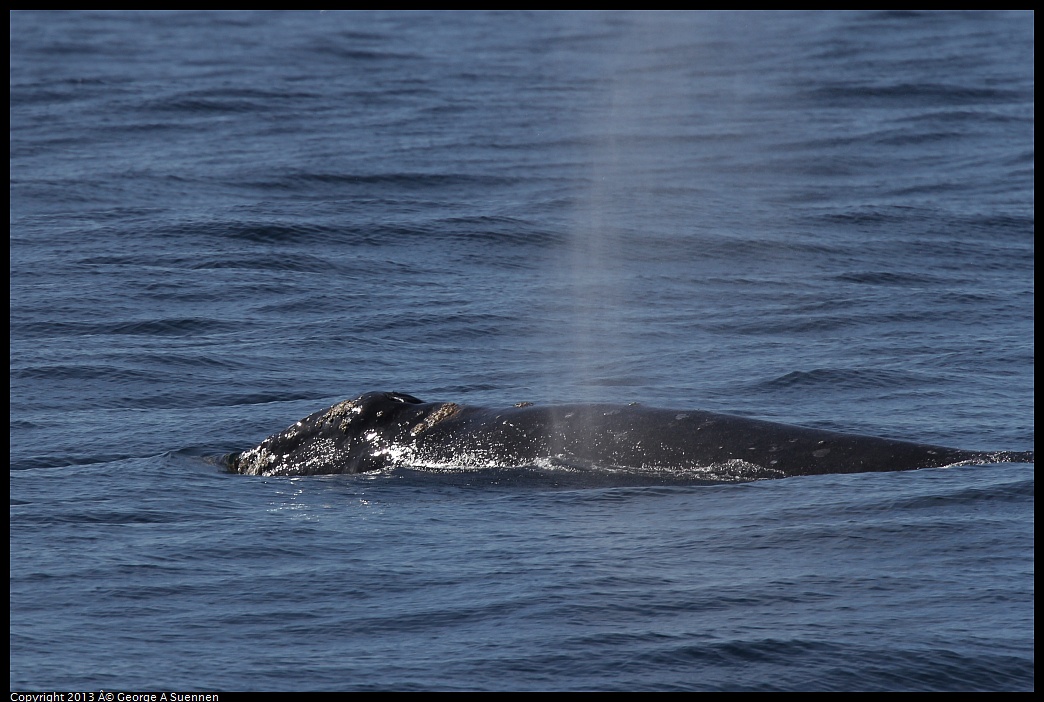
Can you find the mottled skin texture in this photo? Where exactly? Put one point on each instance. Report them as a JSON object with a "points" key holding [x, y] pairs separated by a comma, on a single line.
{"points": [[379, 430]]}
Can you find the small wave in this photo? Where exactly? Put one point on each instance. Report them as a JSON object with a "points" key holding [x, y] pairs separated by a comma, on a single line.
{"points": [[913, 94], [840, 378], [1017, 491], [881, 278], [308, 180]]}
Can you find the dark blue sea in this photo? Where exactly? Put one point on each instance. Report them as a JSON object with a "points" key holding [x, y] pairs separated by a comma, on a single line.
{"points": [[223, 222]]}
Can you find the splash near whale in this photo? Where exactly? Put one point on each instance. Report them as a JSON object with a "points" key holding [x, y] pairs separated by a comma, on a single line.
{"points": [[380, 430]]}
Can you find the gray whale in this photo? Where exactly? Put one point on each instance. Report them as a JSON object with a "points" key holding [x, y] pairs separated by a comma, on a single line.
{"points": [[384, 429]]}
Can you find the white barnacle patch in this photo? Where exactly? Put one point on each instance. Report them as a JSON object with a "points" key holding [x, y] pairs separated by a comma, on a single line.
{"points": [[256, 461], [444, 412], [342, 410]]}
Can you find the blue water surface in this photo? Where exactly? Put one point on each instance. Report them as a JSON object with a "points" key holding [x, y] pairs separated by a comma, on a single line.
{"points": [[222, 222]]}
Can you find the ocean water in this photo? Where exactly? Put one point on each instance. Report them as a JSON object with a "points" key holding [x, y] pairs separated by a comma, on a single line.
{"points": [[222, 222]]}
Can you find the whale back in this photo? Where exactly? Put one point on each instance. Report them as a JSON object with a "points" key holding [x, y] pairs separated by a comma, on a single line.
{"points": [[382, 429]]}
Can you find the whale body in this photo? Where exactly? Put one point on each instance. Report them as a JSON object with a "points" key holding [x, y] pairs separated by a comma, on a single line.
{"points": [[380, 430]]}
